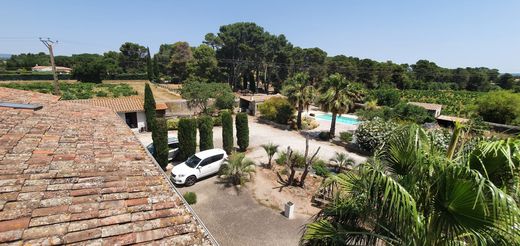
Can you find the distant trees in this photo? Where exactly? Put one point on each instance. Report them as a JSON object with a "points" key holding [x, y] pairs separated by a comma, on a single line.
{"points": [[300, 93], [149, 66], [187, 136], [227, 131], [205, 132], [180, 56], [91, 70], [133, 58], [198, 95], [242, 131]]}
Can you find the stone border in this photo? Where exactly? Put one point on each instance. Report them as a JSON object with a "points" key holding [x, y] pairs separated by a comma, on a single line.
{"points": [[274, 124]]}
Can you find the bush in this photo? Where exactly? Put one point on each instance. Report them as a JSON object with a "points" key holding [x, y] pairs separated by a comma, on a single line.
{"points": [[101, 94], [160, 142], [217, 121], [282, 158], [345, 136], [387, 97], [321, 169], [225, 99], [187, 137], [371, 135], [33, 76], [205, 133], [277, 109], [190, 197], [324, 135], [172, 124], [501, 107], [227, 131], [242, 131], [385, 113], [412, 113]]}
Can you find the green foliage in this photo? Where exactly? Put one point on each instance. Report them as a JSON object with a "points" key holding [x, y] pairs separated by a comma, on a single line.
{"points": [[300, 93], [198, 95], [321, 170], [298, 157], [242, 127], [412, 113], [270, 150], [324, 136], [32, 76], [187, 136], [345, 137], [371, 135], [89, 70], [227, 131], [238, 169], [190, 197], [149, 66], [217, 120], [386, 97], [277, 109], [71, 91], [500, 107], [160, 142], [149, 107], [173, 124], [205, 132], [454, 102]]}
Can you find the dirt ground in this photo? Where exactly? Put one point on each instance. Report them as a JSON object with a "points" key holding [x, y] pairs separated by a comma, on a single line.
{"points": [[160, 94]]}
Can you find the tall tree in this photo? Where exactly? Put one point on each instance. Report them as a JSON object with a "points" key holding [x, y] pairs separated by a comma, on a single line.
{"points": [[149, 107], [204, 65], [205, 132], [337, 95], [149, 66], [160, 142], [227, 131], [181, 55], [506, 81], [242, 127], [133, 58], [300, 93], [187, 137]]}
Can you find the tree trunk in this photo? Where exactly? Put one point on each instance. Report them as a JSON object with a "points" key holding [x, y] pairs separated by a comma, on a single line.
{"points": [[266, 85], [333, 125], [299, 117], [270, 161], [308, 162], [290, 163]]}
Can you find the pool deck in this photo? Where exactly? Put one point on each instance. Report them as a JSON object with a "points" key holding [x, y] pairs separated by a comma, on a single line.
{"points": [[325, 124]]}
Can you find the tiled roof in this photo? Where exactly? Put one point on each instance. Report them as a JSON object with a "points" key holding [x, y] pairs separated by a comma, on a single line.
{"points": [[428, 106], [452, 118], [120, 104], [72, 173]]}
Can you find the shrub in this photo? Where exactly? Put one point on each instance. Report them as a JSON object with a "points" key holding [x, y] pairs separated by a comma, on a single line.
{"points": [[225, 99], [412, 113], [277, 109], [371, 135], [190, 197], [308, 123], [160, 142], [101, 94], [172, 124], [217, 121], [321, 169], [501, 107], [187, 137], [345, 136], [384, 112], [227, 131], [242, 131], [205, 133], [324, 135], [387, 97], [282, 158]]}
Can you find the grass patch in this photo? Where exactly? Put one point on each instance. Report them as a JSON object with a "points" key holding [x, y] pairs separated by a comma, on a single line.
{"points": [[71, 91]]}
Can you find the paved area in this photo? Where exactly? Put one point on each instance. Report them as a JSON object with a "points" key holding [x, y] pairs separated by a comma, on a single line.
{"points": [[237, 219]]}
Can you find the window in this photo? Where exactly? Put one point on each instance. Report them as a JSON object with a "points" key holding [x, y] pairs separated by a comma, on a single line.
{"points": [[173, 145], [212, 159]]}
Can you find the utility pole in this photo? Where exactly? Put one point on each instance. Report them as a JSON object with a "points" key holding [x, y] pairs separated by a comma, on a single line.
{"points": [[49, 43]]}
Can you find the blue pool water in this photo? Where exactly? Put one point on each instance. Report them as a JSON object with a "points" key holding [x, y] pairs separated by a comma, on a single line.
{"points": [[340, 119]]}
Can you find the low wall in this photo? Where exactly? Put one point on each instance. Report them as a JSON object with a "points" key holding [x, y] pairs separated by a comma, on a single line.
{"points": [[276, 125], [504, 128]]}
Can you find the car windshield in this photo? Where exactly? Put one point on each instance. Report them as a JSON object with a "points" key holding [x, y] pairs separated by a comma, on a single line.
{"points": [[192, 161]]}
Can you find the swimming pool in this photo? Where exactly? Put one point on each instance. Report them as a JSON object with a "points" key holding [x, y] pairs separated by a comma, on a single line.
{"points": [[340, 119]]}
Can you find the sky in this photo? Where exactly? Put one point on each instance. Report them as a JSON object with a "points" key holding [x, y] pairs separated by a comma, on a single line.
{"points": [[451, 33]]}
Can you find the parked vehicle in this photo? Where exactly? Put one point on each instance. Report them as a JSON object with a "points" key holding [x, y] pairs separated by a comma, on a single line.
{"points": [[173, 148], [199, 165]]}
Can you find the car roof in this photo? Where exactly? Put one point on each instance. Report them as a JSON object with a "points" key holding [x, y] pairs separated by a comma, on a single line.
{"points": [[210, 152], [172, 139]]}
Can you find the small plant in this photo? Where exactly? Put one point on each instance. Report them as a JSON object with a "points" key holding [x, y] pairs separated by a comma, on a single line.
{"points": [[321, 169], [238, 170], [173, 124], [341, 160], [345, 137], [270, 149], [324, 135], [190, 197]]}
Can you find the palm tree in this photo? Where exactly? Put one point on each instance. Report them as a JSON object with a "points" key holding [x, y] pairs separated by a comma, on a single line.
{"points": [[270, 149], [238, 169], [337, 96], [341, 160], [299, 92], [411, 193]]}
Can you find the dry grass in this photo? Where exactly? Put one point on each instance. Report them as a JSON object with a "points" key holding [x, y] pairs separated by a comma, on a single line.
{"points": [[160, 94]]}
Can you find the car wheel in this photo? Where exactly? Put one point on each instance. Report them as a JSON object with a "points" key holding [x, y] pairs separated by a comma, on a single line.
{"points": [[190, 180]]}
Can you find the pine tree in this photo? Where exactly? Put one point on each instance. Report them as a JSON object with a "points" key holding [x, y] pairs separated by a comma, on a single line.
{"points": [[205, 133], [187, 137], [242, 131], [160, 142], [227, 131], [149, 66], [149, 107]]}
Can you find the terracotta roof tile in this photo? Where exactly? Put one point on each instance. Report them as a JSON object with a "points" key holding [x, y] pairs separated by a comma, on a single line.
{"points": [[76, 174], [120, 104]]}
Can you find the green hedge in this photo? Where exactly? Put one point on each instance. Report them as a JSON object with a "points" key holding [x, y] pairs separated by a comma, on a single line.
{"points": [[160, 141], [242, 131], [33, 76], [187, 137], [227, 131], [205, 133]]}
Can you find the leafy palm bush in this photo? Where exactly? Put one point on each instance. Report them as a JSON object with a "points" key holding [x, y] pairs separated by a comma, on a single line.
{"points": [[270, 150], [371, 135], [190, 197], [345, 137], [242, 131], [187, 136], [205, 132], [227, 131], [238, 169], [277, 109], [341, 160], [413, 194]]}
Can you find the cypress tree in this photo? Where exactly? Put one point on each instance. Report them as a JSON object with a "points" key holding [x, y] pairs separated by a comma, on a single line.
{"points": [[156, 68], [227, 131], [187, 137], [205, 133], [160, 142], [242, 131], [149, 66], [149, 107]]}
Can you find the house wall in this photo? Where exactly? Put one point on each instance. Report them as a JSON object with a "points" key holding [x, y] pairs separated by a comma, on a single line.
{"points": [[141, 119]]}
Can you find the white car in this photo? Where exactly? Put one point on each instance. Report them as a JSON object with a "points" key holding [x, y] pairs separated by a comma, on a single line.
{"points": [[199, 165]]}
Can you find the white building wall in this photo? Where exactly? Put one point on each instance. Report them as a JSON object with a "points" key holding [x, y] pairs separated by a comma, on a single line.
{"points": [[141, 119]]}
